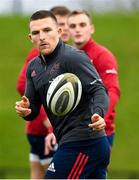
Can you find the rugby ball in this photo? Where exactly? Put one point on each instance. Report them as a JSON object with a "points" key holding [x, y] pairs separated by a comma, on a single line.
{"points": [[64, 94]]}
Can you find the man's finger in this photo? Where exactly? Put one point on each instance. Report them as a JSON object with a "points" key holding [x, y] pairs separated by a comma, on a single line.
{"points": [[53, 141], [47, 151], [95, 118], [23, 112], [25, 99]]}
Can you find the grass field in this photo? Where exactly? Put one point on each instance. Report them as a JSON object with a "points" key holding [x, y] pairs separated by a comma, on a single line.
{"points": [[120, 33]]}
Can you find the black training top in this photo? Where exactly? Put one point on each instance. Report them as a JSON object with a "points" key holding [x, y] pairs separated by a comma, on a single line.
{"points": [[40, 74]]}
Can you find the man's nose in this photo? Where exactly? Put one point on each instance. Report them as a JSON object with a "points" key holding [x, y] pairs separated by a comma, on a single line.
{"points": [[66, 27], [77, 28], [42, 35]]}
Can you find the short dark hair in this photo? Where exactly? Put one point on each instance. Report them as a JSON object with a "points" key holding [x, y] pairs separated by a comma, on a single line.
{"points": [[76, 12], [41, 14], [60, 10]]}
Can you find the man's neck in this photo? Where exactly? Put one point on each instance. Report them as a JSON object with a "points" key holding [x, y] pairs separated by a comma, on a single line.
{"points": [[80, 45], [77, 46]]}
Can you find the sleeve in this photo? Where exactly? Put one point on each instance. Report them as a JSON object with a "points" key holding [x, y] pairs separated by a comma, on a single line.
{"points": [[91, 82], [21, 81], [44, 120], [109, 74], [32, 95]]}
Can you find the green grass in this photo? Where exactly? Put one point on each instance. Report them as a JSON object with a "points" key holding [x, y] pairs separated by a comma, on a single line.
{"points": [[120, 33], [14, 47]]}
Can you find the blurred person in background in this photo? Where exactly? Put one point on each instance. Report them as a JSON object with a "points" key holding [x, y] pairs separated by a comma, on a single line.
{"points": [[81, 31], [61, 13], [40, 127]]}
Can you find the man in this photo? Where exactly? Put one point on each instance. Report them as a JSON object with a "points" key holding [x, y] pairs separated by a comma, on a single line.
{"points": [[82, 152], [81, 30], [39, 128]]}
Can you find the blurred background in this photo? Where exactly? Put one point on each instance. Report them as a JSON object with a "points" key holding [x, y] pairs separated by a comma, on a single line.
{"points": [[117, 27]]}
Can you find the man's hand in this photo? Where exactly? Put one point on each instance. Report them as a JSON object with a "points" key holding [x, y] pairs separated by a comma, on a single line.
{"points": [[50, 142], [22, 107], [98, 123]]}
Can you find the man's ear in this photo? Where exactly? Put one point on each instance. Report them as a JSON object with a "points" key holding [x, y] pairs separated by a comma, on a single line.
{"points": [[92, 29], [59, 31], [29, 36]]}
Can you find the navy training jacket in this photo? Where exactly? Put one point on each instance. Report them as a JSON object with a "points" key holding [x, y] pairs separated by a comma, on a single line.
{"points": [[40, 74]]}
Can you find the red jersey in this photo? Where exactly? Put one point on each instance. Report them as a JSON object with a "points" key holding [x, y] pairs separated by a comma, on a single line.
{"points": [[35, 127], [106, 65]]}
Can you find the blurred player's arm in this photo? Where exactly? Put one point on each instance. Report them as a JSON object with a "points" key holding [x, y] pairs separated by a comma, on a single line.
{"points": [[109, 75], [50, 142], [21, 81], [46, 121], [50, 139]]}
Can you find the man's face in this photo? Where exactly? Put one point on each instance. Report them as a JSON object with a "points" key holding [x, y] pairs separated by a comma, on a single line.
{"points": [[62, 22], [44, 34], [80, 29]]}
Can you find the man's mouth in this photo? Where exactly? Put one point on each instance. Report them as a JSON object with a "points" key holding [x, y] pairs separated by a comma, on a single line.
{"points": [[44, 45], [78, 36]]}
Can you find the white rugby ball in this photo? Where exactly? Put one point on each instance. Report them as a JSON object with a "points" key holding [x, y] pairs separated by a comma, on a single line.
{"points": [[64, 94]]}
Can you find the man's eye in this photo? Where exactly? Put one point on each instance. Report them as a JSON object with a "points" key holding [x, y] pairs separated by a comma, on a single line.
{"points": [[34, 32], [72, 26], [47, 29], [61, 24], [82, 24]]}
